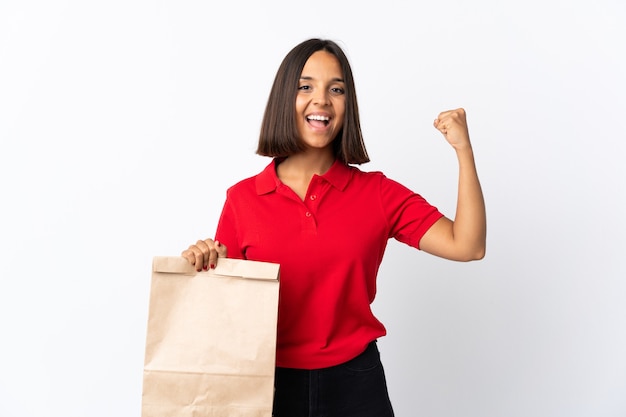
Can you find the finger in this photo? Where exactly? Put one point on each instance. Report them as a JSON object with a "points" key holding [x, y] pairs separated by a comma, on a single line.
{"points": [[213, 255], [189, 256], [453, 116], [441, 125], [222, 250], [206, 247], [444, 115], [218, 251], [194, 256]]}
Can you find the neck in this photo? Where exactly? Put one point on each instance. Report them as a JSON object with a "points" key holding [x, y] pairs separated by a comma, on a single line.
{"points": [[297, 170], [306, 164]]}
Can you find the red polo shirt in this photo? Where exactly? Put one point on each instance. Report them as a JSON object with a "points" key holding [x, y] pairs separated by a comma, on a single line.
{"points": [[329, 247]]}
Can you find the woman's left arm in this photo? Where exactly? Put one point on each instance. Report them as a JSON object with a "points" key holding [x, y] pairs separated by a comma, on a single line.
{"points": [[463, 239]]}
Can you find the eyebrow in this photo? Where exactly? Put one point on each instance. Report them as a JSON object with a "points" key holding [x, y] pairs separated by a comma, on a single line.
{"points": [[336, 79]]}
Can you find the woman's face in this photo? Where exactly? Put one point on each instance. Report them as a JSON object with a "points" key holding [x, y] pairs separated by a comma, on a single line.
{"points": [[321, 101]]}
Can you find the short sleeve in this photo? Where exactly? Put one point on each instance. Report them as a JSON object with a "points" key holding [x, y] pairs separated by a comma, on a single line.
{"points": [[227, 230], [409, 215]]}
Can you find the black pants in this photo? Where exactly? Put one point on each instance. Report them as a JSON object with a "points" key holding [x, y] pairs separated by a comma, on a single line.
{"points": [[356, 388]]}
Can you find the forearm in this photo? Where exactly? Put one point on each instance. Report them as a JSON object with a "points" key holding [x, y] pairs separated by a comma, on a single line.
{"points": [[469, 228]]}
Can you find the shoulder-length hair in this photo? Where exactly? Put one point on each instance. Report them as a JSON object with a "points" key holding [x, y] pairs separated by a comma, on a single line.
{"points": [[279, 135]]}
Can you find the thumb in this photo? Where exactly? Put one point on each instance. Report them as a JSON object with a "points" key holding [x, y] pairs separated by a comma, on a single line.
{"points": [[222, 250]]}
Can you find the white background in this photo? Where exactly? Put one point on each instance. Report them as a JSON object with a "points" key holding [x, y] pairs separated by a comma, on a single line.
{"points": [[123, 122]]}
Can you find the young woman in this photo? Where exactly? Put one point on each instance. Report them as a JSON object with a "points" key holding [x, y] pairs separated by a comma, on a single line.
{"points": [[327, 224]]}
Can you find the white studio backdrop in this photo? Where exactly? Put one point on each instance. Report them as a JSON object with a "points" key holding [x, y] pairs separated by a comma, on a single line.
{"points": [[122, 123]]}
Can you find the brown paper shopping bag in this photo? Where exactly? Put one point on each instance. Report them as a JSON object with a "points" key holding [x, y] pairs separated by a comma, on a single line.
{"points": [[211, 339]]}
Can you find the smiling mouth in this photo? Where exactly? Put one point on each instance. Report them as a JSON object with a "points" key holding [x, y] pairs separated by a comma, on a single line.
{"points": [[317, 120]]}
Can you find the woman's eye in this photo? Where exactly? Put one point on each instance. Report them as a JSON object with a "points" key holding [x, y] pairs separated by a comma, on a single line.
{"points": [[304, 87], [337, 90]]}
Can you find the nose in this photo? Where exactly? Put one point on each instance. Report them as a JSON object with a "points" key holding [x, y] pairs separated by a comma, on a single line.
{"points": [[321, 97]]}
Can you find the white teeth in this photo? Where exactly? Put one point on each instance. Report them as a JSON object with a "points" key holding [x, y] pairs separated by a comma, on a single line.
{"points": [[316, 117]]}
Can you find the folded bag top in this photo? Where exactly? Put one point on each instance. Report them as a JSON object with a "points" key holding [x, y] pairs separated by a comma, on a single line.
{"points": [[225, 267]]}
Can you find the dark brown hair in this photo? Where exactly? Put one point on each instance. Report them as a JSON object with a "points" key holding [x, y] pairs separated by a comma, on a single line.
{"points": [[279, 134]]}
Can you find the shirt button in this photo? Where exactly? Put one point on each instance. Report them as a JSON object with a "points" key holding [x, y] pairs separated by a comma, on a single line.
{"points": [[313, 197], [308, 214]]}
